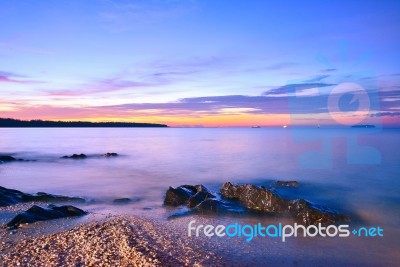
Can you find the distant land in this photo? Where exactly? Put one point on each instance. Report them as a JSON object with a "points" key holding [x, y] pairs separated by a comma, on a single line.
{"points": [[363, 126], [13, 123]]}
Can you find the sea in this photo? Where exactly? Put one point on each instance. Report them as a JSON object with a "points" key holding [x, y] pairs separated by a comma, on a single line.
{"points": [[355, 171]]}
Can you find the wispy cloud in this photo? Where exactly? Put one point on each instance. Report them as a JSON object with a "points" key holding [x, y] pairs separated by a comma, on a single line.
{"points": [[295, 88], [10, 77], [317, 78]]}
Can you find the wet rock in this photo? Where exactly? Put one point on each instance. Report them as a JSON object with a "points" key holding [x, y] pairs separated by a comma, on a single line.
{"points": [[258, 198], [187, 195], [308, 213], [286, 183], [7, 158], [210, 205], [11, 197], [213, 205], [109, 155], [198, 198], [36, 213], [75, 156], [179, 195], [122, 200]]}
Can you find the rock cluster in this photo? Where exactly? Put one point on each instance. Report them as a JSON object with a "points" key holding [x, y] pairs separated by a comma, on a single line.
{"points": [[75, 156], [233, 198], [36, 213], [11, 197]]}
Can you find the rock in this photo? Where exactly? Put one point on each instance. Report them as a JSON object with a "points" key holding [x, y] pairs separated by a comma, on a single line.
{"points": [[108, 155], [122, 200], [11, 197], [258, 198], [213, 205], [180, 195], [239, 198], [308, 213], [187, 195], [7, 158], [75, 156], [286, 183], [198, 198], [36, 213], [255, 197]]}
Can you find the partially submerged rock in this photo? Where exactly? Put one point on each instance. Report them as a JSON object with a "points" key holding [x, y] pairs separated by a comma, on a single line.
{"points": [[286, 183], [84, 156], [109, 155], [186, 195], [255, 198], [7, 158], [122, 200], [261, 199], [36, 213], [11, 197], [75, 156], [238, 198]]}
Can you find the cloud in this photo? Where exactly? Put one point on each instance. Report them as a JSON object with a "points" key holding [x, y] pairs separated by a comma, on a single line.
{"points": [[10, 77], [295, 88], [105, 86], [218, 104], [329, 70], [317, 78]]}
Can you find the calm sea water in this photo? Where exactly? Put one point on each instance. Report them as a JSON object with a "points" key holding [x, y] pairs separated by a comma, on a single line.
{"points": [[356, 171]]}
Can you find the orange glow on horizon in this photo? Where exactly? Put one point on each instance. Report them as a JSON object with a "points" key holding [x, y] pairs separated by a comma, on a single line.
{"points": [[237, 120]]}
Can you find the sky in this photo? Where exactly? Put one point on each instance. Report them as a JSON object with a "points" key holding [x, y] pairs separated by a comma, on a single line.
{"points": [[194, 63]]}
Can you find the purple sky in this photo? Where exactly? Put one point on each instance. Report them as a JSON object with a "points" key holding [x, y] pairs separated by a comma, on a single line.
{"points": [[209, 63]]}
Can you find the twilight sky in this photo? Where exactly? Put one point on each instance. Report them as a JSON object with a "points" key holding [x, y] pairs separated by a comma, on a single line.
{"points": [[201, 63]]}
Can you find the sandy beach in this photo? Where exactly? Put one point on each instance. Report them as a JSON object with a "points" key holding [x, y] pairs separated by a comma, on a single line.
{"points": [[115, 241]]}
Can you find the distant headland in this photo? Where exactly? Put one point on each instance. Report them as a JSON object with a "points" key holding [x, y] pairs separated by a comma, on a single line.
{"points": [[13, 123], [363, 126]]}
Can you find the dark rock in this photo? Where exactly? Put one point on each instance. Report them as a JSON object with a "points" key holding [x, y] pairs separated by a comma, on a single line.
{"points": [[286, 183], [198, 198], [36, 213], [308, 213], [108, 155], [11, 197], [75, 156], [122, 200], [187, 195], [261, 199], [7, 158], [213, 205], [255, 197], [44, 197], [210, 205], [180, 195]]}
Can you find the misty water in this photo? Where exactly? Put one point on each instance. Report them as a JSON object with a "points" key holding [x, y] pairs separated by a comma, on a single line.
{"points": [[355, 171]]}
